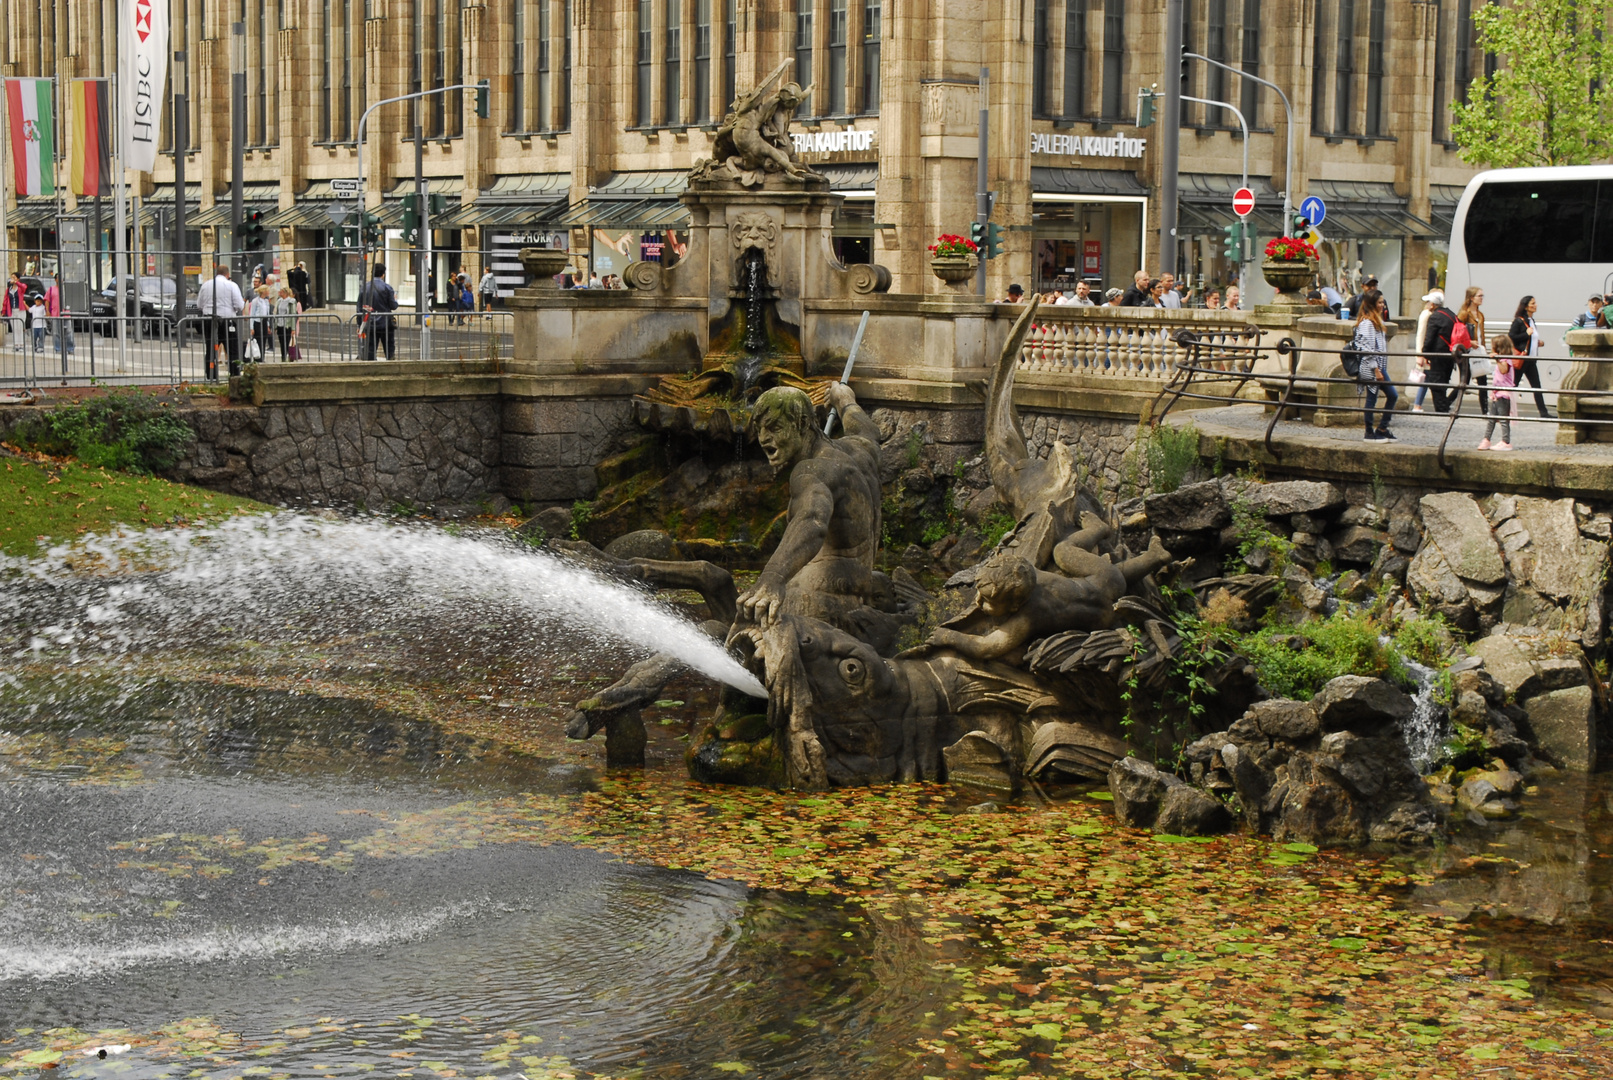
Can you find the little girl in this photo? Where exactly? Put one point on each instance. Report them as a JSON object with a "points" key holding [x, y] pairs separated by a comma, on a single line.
{"points": [[1502, 384], [36, 318]]}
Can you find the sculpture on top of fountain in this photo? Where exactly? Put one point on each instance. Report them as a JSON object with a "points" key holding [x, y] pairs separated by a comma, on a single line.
{"points": [[754, 139]]}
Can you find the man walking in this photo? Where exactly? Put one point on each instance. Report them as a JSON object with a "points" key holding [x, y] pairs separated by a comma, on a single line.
{"points": [[1171, 298], [1137, 295], [1436, 349], [297, 278], [220, 303], [488, 288], [377, 304]]}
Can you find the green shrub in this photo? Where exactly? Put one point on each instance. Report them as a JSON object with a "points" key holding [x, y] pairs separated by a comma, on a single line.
{"points": [[1297, 662], [1171, 453], [125, 430], [993, 527], [1425, 640], [582, 512]]}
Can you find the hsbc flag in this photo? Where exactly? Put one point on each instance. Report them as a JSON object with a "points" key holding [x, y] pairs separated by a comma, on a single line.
{"points": [[142, 73]]}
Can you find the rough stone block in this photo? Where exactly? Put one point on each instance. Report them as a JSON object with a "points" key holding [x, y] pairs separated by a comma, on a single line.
{"points": [[1356, 702], [1457, 526], [1187, 811], [1552, 561], [1290, 497], [531, 451], [1189, 509], [1356, 544], [1564, 726], [1138, 789], [1507, 664], [1282, 718]]}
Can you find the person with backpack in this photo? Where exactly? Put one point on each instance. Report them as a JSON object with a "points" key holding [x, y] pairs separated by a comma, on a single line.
{"points": [[1436, 346], [1370, 349], [1470, 316], [1507, 363], [1526, 340], [377, 303]]}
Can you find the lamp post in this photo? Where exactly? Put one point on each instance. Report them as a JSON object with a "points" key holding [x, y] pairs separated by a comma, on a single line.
{"points": [[181, 145], [237, 137], [1288, 108]]}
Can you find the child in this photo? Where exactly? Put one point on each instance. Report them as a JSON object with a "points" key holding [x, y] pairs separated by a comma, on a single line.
{"points": [[36, 316], [1507, 362]]}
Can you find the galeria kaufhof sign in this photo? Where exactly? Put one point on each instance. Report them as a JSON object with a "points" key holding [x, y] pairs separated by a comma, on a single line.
{"points": [[1063, 144]]}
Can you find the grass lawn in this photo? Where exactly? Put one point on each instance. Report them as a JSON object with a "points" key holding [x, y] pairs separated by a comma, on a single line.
{"points": [[47, 501]]}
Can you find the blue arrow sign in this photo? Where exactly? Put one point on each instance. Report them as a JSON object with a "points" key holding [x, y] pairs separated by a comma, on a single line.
{"points": [[1314, 209]]}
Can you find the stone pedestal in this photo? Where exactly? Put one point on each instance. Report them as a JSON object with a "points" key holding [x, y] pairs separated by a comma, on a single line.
{"points": [[1592, 373]]}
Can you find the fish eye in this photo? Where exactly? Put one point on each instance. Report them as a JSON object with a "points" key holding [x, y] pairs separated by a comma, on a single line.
{"points": [[853, 670]]}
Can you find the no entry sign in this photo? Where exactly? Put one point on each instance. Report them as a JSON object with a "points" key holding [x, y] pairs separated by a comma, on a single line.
{"points": [[1243, 202]]}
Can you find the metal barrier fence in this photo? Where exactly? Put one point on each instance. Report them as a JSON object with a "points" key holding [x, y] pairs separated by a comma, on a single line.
{"points": [[74, 350]]}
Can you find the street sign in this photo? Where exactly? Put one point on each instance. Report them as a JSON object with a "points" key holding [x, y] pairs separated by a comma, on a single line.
{"points": [[338, 212], [1243, 202], [345, 187], [1314, 209]]}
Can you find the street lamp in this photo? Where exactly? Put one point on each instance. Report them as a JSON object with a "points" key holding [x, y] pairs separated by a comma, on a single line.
{"points": [[237, 136]]}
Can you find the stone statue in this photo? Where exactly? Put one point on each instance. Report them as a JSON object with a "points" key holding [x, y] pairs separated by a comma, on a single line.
{"points": [[754, 139]]}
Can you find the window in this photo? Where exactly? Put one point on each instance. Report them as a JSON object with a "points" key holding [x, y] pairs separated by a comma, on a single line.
{"points": [[1375, 108], [1344, 68], [515, 121], [325, 88], [259, 135], [1441, 72], [803, 51], [1464, 48], [1215, 47], [1251, 62], [871, 31], [835, 99], [447, 110], [565, 69], [1114, 57], [1541, 222], [1039, 75], [346, 99], [674, 62], [540, 100], [646, 46], [730, 52], [1319, 69], [1075, 57], [701, 113]]}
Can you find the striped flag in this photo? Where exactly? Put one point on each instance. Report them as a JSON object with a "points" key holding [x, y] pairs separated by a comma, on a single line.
{"points": [[90, 145], [32, 130]]}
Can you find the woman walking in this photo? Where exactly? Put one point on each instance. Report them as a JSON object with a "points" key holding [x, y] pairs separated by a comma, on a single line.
{"points": [[258, 313], [1371, 341], [1527, 342], [286, 310], [1417, 366], [1478, 363], [1506, 380]]}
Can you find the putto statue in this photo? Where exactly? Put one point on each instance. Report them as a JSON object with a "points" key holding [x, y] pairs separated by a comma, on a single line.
{"points": [[754, 139]]}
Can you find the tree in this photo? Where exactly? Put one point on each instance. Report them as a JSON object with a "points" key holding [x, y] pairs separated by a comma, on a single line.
{"points": [[1550, 100]]}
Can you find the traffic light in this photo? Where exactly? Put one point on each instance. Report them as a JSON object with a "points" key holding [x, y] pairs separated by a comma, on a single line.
{"points": [[1145, 107], [483, 95], [977, 236], [994, 241], [250, 230], [349, 237], [411, 218], [438, 205], [372, 228], [1233, 244], [1186, 71]]}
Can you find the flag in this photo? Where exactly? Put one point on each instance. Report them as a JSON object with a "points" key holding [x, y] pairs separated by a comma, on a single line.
{"points": [[142, 72], [32, 131], [90, 160]]}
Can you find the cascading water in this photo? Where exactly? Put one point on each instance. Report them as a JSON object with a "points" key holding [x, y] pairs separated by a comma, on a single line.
{"points": [[1425, 731], [755, 336], [170, 588]]}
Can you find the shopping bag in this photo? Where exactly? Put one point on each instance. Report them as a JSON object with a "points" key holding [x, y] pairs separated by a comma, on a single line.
{"points": [[253, 352]]}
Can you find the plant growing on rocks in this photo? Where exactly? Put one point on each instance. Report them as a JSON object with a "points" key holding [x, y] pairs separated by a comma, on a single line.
{"points": [[130, 431]]}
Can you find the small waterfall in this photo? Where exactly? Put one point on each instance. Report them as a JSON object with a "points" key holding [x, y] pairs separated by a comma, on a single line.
{"points": [[754, 337], [1426, 730]]}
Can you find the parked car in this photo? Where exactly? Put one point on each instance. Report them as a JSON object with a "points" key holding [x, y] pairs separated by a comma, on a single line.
{"points": [[154, 301]]}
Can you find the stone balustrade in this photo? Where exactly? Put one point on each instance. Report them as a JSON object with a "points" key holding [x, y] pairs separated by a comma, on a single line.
{"points": [[1129, 342]]}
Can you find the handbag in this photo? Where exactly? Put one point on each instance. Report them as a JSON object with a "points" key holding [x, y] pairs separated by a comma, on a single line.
{"points": [[293, 353], [253, 351]]}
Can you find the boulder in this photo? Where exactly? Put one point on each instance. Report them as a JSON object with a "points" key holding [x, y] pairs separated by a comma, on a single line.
{"points": [[1408, 822], [1187, 811], [1404, 534], [1366, 516], [1357, 544], [1138, 789], [643, 544], [1189, 509], [1251, 782], [1283, 718], [1289, 497], [1359, 703], [1308, 523], [1507, 664], [551, 524], [1564, 726], [1552, 562], [1456, 525]]}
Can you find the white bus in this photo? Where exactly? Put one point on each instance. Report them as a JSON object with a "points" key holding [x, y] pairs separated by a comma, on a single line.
{"points": [[1546, 233]]}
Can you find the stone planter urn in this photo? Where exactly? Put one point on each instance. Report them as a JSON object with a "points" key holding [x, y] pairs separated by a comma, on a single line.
{"points": [[1289, 277], [953, 269], [542, 264]]}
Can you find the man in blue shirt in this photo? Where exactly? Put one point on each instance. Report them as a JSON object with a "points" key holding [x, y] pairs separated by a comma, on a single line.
{"points": [[377, 304], [1588, 318]]}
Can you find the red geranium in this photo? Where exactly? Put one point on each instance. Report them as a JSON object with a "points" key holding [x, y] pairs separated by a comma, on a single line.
{"points": [[947, 244], [1290, 248]]}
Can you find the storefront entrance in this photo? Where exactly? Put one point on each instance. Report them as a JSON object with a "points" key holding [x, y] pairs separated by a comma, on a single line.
{"points": [[1096, 242]]}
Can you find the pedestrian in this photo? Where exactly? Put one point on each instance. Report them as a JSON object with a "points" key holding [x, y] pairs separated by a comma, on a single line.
{"points": [[1234, 299], [1212, 300], [1083, 294], [14, 307], [1587, 318], [286, 310], [63, 316], [488, 287], [1417, 366], [1354, 305], [377, 304], [219, 302], [1168, 297], [1478, 359], [1527, 341], [1016, 295], [297, 278], [467, 299], [1371, 342], [594, 282], [1333, 298], [1114, 298], [1137, 295], [259, 313], [1436, 347], [1506, 380], [36, 315], [1156, 293]]}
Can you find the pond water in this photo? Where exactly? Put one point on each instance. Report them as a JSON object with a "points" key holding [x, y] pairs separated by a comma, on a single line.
{"points": [[279, 883]]}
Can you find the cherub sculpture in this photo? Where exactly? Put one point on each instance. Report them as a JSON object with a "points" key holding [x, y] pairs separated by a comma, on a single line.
{"points": [[754, 139]]}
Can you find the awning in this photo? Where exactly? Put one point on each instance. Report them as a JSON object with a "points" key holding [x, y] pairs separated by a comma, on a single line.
{"points": [[164, 193], [632, 200], [1360, 209], [391, 211], [1047, 180], [1442, 202], [262, 197], [33, 214], [856, 177], [311, 210], [1204, 204], [522, 199]]}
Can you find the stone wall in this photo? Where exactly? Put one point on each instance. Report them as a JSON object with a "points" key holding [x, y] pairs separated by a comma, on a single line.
{"points": [[549, 447]]}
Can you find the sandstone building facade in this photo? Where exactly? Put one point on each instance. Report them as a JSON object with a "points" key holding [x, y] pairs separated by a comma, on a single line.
{"points": [[599, 106]]}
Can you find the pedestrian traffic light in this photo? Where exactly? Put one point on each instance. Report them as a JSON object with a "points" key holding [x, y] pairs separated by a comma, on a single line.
{"points": [[1145, 107], [438, 205], [994, 241], [1233, 244], [483, 94], [372, 228], [977, 235], [411, 218]]}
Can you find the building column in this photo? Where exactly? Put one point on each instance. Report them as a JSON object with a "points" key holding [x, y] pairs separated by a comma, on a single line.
{"points": [[899, 189], [1409, 85]]}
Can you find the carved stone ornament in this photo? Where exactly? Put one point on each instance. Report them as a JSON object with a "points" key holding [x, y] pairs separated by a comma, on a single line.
{"points": [[755, 229], [754, 139], [641, 275]]}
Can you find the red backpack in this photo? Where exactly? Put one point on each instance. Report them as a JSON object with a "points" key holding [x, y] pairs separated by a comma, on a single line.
{"points": [[1460, 337]]}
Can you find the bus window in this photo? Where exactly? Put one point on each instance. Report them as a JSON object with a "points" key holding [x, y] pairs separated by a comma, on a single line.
{"points": [[1534, 222]]}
